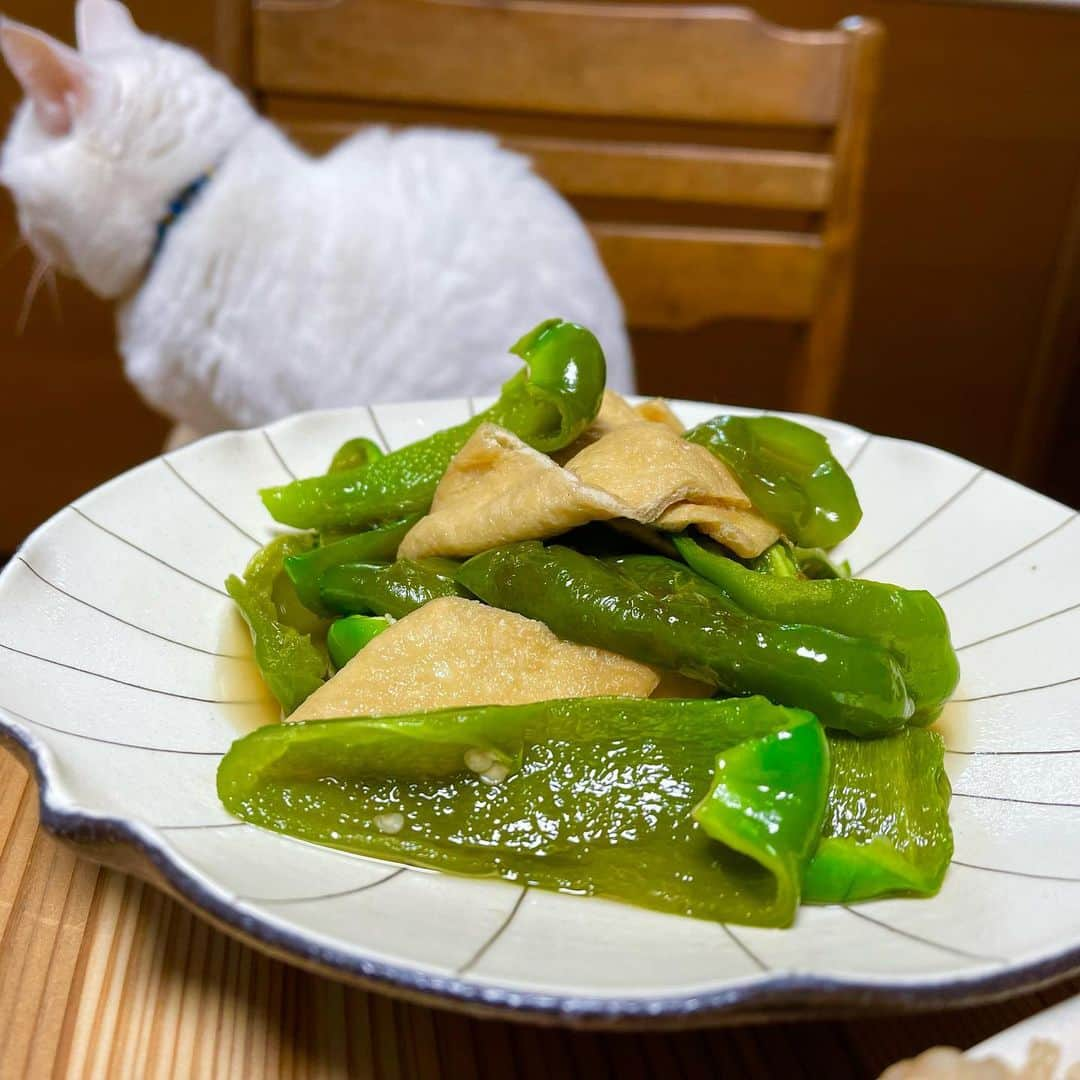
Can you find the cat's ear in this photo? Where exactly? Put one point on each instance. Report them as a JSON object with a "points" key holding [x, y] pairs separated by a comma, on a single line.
{"points": [[55, 78], [103, 24]]}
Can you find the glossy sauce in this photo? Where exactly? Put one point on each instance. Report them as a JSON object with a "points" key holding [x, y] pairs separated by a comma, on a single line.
{"points": [[955, 724], [237, 680]]}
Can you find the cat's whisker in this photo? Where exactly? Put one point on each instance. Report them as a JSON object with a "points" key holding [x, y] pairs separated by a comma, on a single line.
{"points": [[41, 268], [54, 294]]}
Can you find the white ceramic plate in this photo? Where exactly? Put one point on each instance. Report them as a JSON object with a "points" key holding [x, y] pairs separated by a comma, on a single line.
{"points": [[112, 617]]}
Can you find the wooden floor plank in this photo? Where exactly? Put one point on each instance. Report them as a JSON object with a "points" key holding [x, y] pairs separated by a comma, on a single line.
{"points": [[45, 895]]}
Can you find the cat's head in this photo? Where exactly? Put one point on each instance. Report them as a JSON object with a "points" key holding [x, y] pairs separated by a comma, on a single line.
{"points": [[106, 136]]}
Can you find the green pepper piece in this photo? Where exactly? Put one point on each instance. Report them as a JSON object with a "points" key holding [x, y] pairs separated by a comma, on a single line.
{"points": [[815, 563], [557, 395], [758, 806], [394, 589], [289, 659], [292, 612], [777, 560], [348, 636], [789, 473], [849, 684], [784, 559], [354, 454], [548, 404], [886, 828], [665, 578], [376, 545], [908, 622], [706, 808]]}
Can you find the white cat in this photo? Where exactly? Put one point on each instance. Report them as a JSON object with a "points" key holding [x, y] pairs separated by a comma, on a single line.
{"points": [[399, 266]]}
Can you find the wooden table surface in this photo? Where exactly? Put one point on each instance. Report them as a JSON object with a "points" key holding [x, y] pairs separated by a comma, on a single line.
{"points": [[101, 975]]}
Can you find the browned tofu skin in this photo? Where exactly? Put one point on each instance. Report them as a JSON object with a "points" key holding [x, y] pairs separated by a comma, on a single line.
{"points": [[658, 411], [455, 652], [498, 490]]}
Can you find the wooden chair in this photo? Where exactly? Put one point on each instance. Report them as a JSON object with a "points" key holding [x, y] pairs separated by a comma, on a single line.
{"points": [[665, 86]]}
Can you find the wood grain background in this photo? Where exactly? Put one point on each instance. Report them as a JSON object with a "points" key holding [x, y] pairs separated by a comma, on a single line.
{"points": [[102, 976]]}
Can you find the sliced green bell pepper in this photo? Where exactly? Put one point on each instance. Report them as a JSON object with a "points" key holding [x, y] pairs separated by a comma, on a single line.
{"points": [[789, 473], [814, 563], [850, 684], [558, 393], [346, 637], [394, 589], [376, 545], [910, 623], [354, 454], [886, 828], [548, 404], [705, 808], [665, 579], [785, 559], [777, 560], [288, 657]]}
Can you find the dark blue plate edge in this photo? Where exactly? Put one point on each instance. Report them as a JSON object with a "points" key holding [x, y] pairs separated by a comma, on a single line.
{"points": [[772, 996]]}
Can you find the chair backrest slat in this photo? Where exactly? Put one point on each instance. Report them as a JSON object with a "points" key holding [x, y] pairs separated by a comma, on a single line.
{"points": [[677, 277], [719, 176], [768, 132], [642, 60], [665, 172]]}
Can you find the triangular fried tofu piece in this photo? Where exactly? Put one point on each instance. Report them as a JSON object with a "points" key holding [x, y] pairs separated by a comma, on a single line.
{"points": [[457, 652], [498, 490]]}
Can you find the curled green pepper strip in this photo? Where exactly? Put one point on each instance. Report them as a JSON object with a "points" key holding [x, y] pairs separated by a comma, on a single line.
{"points": [[886, 828], [850, 684], [354, 454], [908, 622], [376, 545], [706, 808], [290, 661], [394, 590], [557, 395], [789, 473], [346, 637], [548, 404], [764, 792]]}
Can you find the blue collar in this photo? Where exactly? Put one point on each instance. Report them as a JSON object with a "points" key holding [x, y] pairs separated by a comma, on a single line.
{"points": [[177, 205]]}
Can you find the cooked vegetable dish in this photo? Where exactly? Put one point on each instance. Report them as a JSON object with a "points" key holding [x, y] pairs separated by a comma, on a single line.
{"points": [[572, 645]]}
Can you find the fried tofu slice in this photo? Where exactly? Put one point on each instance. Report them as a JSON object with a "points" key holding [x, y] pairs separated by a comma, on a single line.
{"points": [[744, 531], [498, 490], [657, 411], [457, 652], [649, 468], [615, 411]]}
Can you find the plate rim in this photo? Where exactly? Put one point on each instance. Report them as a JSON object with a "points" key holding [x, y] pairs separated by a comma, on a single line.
{"points": [[766, 995]]}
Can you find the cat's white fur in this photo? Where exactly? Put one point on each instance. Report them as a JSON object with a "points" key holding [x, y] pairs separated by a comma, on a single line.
{"points": [[399, 266]]}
